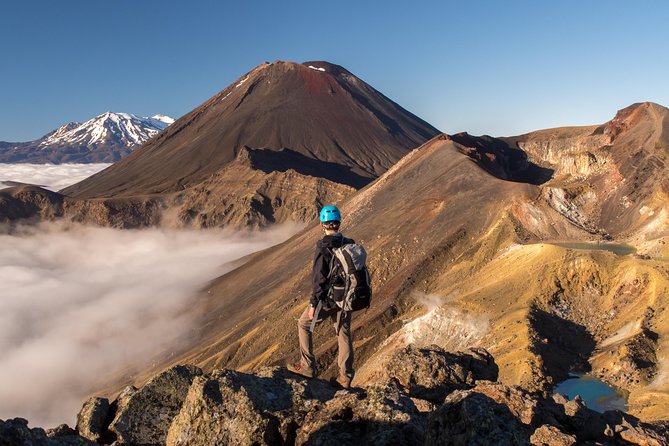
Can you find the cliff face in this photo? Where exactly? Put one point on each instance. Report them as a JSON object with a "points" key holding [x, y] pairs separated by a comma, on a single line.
{"points": [[426, 397], [614, 176]]}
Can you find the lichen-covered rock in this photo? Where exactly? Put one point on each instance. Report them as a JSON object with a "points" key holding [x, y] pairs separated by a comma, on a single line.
{"points": [[243, 409], [548, 435], [62, 430], [379, 415], [17, 433], [470, 417], [92, 417], [144, 416], [184, 407], [521, 404], [431, 373]]}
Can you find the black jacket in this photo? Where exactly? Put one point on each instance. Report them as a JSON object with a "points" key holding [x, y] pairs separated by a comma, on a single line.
{"points": [[319, 276]]}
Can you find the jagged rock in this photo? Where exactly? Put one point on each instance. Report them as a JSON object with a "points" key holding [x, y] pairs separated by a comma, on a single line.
{"points": [[423, 406], [431, 373], [471, 417], [237, 408], [518, 402], [548, 435], [381, 415], [642, 434], [143, 416], [182, 406], [578, 412], [17, 433], [92, 417], [61, 430]]}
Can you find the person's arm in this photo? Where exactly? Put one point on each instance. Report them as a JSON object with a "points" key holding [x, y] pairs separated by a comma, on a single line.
{"points": [[319, 277]]}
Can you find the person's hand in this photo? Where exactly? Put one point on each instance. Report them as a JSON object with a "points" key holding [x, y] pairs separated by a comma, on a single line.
{"points": [[311, 312]]}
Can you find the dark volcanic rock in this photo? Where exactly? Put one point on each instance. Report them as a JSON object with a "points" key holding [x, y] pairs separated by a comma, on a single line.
{"points": [[182, 406], [17, 433], [242, 409], [380, 415], [143, 416], [431, 373], [92, 417], [469, 417]]}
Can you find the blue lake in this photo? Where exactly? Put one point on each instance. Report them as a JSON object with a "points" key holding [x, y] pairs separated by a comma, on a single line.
{"points": [[597, 395]]}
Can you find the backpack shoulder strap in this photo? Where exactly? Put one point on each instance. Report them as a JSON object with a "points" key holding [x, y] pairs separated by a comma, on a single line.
{"points": [[349, 260]]}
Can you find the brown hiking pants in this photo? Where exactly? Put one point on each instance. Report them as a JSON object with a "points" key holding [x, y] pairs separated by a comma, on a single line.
{"points": [[345, 342]]}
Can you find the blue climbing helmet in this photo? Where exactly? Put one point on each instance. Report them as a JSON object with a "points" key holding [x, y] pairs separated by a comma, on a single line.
{"points": [[330, 213]]}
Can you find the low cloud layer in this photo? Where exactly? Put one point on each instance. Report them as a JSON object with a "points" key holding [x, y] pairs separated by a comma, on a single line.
{"points": [[78, 303], [51, 176]]}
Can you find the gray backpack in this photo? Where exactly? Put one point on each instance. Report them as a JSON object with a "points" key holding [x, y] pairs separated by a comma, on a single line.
{"points": [[354, 289], [350, 284]]}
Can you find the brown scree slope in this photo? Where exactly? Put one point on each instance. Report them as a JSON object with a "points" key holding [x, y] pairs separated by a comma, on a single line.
{"points": [[457, 236]]}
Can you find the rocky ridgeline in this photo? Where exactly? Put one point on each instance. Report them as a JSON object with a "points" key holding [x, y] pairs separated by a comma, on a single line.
{"points": [[428, 397]]}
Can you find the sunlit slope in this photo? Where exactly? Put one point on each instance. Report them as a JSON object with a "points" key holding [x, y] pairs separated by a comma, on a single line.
{"points": [[458, 233], [414, 222], [553, 310]]}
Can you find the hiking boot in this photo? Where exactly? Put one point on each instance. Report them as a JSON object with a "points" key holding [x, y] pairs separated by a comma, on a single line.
{"points": [[299, 369], [344, 381]]}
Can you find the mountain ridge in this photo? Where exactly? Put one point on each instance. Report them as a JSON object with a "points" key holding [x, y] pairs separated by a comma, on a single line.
{"points": [[328, 115], [104, 138]]}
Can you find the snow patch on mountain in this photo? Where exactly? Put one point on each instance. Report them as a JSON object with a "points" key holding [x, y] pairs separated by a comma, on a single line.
{"points": [[163, 118], [122, 128]]}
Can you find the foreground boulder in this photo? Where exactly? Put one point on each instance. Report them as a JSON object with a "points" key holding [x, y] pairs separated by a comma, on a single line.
{"points": [[231, 407], [92, 418], [17, 433], [144, 416], [379, 415], [431, 373], [473, 418]]}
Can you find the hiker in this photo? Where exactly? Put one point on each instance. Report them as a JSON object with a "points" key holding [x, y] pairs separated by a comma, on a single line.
{"points": [[321, 307]]}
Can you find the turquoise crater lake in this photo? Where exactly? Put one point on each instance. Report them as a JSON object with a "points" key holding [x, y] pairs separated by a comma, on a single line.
{"points": [[597, 395]]}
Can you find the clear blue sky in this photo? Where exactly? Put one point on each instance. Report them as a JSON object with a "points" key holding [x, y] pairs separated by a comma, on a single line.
{"points": [[496, 67]]}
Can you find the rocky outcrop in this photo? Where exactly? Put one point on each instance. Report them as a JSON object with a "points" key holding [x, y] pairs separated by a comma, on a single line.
{"points": [[231, 407], [92, 418], [492, 413], [430, 373], [380, 415], [17, 433], [143, 416], [183, 406]]}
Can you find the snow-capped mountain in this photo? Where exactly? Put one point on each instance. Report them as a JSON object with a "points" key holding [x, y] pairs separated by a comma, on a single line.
{"points": [[104, 138]]}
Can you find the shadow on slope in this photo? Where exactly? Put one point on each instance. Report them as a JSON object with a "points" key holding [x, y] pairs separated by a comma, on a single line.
{"points": [[272, 161], [564, 346], [501, 160]]}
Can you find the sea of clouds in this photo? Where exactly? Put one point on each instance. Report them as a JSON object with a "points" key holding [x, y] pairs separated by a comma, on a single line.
{"points": [[51, 176], [78, 303]]}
